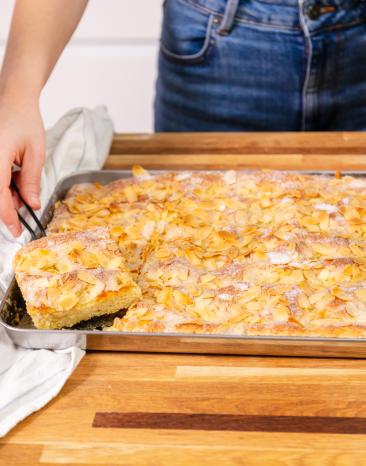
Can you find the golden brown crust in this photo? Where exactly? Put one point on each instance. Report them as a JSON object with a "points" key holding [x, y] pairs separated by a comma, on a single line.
{"points": [[248, 253], [71, 277]]}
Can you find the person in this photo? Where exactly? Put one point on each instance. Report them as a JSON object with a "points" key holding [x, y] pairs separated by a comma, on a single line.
{"points": [[224, 65]]}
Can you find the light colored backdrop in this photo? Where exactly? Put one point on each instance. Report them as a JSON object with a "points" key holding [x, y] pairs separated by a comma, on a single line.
{"points": [[111, 60]]}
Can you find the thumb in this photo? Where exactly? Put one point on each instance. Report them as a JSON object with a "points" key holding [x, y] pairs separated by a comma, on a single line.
{"points": [[8, 214], [30, 176]]}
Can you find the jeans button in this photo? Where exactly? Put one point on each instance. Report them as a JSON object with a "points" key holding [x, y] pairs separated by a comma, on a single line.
{"points": [[313, 11]]}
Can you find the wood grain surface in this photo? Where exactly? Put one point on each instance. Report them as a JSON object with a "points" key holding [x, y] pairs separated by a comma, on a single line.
{"points": [[260, 387], [291, 411], [297, 151], [232, 422]]}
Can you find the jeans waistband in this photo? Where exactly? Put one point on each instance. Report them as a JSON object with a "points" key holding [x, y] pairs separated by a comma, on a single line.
{"points": [[285, 14], [219, 5]]}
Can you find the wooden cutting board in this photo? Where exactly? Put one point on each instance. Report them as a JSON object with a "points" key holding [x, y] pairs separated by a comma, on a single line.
{"points": [[178, 410], [293, 151]]}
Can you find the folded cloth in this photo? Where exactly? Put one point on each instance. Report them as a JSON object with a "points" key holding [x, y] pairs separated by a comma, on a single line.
{"points": [[29, 379]]}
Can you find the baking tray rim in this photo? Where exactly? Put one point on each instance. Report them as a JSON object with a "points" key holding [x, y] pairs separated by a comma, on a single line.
{"points": [[156, 171], [198, 336]]}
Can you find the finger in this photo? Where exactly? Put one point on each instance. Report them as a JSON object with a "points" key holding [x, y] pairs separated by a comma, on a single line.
{"points": [[8, 213], [30, 176], [16, 201]]}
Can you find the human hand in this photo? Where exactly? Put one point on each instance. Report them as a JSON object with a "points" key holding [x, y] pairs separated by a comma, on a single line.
{"points": [[22, 143]]}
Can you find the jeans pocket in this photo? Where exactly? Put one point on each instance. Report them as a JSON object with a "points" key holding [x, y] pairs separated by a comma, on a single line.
{"points": [[186, 33]]}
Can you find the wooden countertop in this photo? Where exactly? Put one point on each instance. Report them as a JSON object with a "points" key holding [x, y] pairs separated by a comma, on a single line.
{"points": [[297, 151], [200, 410]]}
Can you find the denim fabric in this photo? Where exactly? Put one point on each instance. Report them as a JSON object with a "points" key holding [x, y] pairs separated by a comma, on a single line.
{"points": [[284, 65]]}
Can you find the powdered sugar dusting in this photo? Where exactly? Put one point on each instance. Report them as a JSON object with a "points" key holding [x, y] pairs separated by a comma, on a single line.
{"points": [[326, 207], [183, 176], [278, 257], [224, 296], [242, 286]]}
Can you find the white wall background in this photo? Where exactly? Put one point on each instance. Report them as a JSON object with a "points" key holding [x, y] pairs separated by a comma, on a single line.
{"points": [[111, 60]]}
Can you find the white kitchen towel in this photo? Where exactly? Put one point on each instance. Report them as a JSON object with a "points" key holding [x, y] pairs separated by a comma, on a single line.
{"points": [[29, 379]]}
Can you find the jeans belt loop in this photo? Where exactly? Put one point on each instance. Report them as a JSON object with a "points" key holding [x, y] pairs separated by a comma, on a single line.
{"points": [[228, 18]]}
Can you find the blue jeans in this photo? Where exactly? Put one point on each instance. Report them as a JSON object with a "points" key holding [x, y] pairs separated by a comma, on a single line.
{"points": [[262, 65]]}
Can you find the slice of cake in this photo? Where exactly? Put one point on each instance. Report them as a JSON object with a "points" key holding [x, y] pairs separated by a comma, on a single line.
{"points": [[71, 277]]}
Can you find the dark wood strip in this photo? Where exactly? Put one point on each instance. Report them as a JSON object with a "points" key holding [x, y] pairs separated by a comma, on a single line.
{"points": [[229, 422]]}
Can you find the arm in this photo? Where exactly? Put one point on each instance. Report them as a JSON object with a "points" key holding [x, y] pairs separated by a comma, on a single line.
{"points": [[39, 32]]}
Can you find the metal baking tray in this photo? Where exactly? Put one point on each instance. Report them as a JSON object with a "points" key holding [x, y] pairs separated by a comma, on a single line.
{"points": [[88, 335]]}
